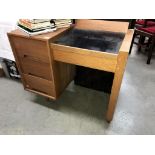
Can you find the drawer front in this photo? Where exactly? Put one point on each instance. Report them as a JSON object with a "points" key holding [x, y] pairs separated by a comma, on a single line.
{"points": [[30, 47], [33, 67], [39, 85]]}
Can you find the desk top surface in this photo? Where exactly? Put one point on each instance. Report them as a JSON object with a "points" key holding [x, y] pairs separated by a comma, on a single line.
{"points": [[45, 36], [93, 40]]}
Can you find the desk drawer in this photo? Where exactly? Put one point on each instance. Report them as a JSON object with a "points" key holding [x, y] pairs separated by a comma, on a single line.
{"points": [[30, 47], [34, 67], [39, 85]]}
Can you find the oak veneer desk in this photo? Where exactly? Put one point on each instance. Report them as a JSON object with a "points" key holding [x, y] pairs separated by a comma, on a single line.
{"points": [[46, 62]]}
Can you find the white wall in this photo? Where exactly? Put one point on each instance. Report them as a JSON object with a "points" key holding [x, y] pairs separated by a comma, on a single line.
{"points": [[5, 49]]}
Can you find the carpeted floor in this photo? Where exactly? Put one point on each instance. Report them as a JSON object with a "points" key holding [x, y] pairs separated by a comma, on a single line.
{"points": [[80, 110]]}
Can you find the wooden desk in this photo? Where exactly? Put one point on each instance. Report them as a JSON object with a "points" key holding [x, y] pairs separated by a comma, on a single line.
{"points": [[47, 67]]}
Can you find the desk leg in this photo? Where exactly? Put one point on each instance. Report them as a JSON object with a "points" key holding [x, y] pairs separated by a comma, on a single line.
{"points": [[121, 63]]}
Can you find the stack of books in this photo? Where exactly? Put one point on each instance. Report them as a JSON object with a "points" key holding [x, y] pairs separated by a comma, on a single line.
{"points": [[36, 26], [60, 23]]}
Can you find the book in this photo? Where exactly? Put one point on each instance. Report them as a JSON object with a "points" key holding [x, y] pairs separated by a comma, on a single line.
{"points": [[37, 29], [32, 33], [61, 26], [65, 20], [59, 23], [35, 21], [35, 26]]}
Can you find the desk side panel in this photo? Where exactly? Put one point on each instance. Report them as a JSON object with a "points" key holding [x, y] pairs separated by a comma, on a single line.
{"points": [[63, 74], [125, 47], [11, 39], [119, 72]]}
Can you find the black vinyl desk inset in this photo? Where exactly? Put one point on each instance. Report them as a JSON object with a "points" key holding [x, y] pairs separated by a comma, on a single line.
{"points": [[92, 40]]}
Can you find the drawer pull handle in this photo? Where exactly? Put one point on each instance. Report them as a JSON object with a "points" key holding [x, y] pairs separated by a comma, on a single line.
{"points": [[35, 75], [39, 91], [34, 59], [31, 74]]}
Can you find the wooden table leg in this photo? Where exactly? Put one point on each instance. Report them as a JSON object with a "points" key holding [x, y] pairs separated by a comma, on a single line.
{"points": [[121, 63], [48, 99], [150, 50], [132, 43]]}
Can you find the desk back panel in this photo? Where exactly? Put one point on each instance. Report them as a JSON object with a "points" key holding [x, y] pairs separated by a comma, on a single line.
{"points": [[102, 25]]}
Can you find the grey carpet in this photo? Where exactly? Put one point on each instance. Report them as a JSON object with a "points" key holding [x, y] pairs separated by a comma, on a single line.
{"points": [[80, 110]]}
